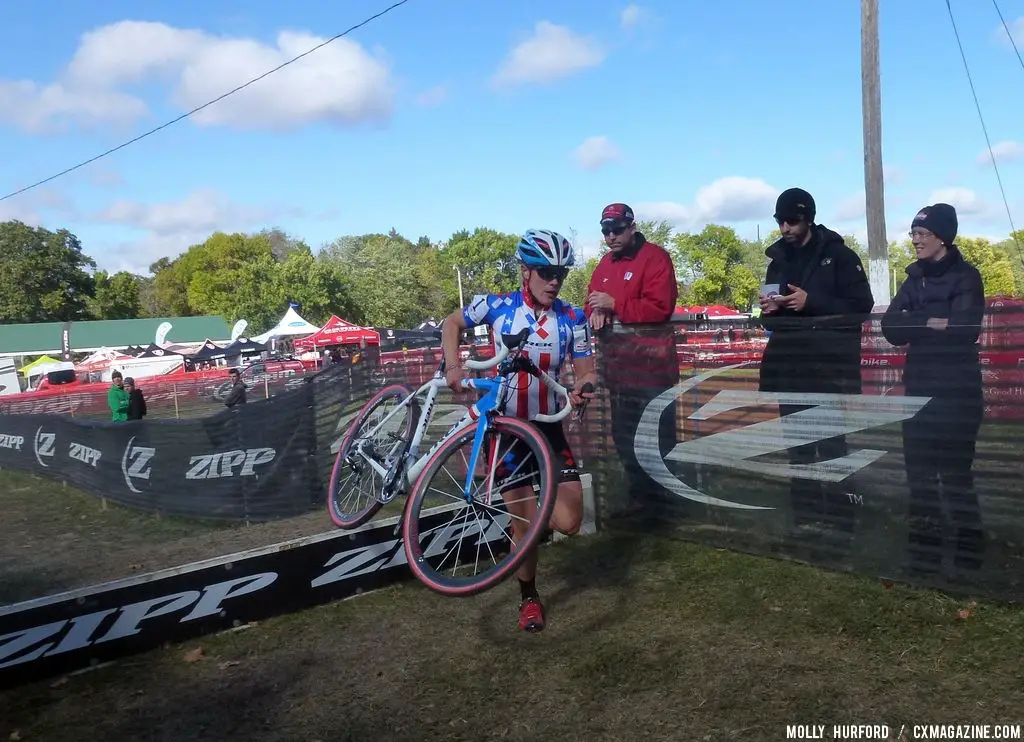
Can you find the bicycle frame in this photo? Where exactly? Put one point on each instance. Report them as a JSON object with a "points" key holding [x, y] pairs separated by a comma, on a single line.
{"points": [[479, 410]]}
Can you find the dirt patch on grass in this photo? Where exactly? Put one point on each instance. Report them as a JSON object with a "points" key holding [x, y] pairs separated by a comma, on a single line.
{"points": [[55, 538], [648, 639]]}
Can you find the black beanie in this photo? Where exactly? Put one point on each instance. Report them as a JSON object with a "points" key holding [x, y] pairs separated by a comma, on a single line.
{"points": [[940, 220], [795, 202]]}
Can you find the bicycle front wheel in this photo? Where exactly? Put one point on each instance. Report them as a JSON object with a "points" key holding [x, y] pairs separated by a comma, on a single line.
{"points": [[353, 493], [461, 548]]}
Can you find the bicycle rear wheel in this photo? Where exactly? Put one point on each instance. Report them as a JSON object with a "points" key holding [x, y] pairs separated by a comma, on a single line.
{"points": [[481, 528], [353, 493]]}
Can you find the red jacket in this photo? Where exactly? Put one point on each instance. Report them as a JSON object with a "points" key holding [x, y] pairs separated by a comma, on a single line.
{"points": [[642, 282]]}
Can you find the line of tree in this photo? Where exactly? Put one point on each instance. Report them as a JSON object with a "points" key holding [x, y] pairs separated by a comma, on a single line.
{"points": [[383, 280]]}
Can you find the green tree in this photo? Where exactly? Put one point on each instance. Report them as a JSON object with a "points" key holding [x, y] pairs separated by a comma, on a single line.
{"points": [[901, 254], [316, 283], [437, 301], [659, 232], [711, 266], [995, 267], [282, 244], [117, 296], [148, 304], [170, 288], [1013, 248], [44, 275], [574, 290], [486, 259], [208, 278], [380, 273]]}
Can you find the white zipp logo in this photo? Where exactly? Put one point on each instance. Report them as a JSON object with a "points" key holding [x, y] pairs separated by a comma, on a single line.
{"points": [[391, 553], [224, 464], [45, 446], [114, 624], [828, 416], [85, 454], [12, 441], [135, 464]]}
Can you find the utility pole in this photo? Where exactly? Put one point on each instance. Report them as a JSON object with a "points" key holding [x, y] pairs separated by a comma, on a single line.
{"points": [[874, 180], [458, 272]]}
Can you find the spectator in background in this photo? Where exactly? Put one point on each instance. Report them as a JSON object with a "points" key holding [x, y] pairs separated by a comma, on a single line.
{"points": [[634, 283], [815, 299], [136, 402], [117, 398], [937, 313], [237, 394]]}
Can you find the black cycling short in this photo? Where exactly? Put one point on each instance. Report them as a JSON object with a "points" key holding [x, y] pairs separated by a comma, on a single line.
{"points": [[564, 460]]}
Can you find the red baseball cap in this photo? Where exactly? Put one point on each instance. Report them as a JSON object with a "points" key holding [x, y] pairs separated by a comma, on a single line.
{"points": [[617, 213]]}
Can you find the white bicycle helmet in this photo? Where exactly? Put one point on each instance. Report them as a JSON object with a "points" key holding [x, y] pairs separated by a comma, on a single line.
{"points": [[543, 247]]}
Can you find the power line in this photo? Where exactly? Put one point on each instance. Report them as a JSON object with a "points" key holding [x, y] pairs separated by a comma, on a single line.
{"points": [[1009, 35], [205, 105], [988, 141]]}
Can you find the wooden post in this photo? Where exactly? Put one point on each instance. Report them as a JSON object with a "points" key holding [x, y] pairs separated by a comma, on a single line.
{"points": [[174, 391], [874, 180]]}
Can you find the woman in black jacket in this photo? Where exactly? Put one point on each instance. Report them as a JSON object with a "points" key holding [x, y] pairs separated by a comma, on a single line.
{"points": [[937, 313]]}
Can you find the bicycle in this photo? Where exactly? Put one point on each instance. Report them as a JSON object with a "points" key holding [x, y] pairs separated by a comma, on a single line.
{"points": [[397, 463]]}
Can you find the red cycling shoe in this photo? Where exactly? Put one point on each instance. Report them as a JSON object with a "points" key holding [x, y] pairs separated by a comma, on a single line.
{"points": [[531, 615]]}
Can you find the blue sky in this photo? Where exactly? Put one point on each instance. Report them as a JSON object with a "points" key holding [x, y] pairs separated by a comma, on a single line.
{"points": [[456, 114]]}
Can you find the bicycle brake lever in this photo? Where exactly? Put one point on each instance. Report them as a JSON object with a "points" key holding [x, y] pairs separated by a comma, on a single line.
{"points": [[588, 388]]}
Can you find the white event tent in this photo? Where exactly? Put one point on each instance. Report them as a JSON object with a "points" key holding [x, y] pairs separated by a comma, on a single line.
{"points": [[290, 325]]}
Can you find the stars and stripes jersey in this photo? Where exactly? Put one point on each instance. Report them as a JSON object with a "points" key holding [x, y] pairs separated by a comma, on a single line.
{"points": [[558, 333]]}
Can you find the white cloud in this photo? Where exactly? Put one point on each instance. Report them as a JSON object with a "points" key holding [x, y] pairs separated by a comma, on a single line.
{"points": [[1016, 31], [105, 177], [893, 174], [38, 207], [170, 228], [727, 200], [596, 152], [1005, 151], [966, 201], [340, 82], [851, 209], [551, 53], [630, 16], [203, 210], [433, 96]]}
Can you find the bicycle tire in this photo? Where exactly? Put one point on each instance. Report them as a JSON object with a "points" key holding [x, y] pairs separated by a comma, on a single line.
{"points": [[343, 520], [464, 587]]}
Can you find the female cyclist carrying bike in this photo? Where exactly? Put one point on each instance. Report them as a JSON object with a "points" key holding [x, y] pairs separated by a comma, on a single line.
{"points": [[559, 332]]}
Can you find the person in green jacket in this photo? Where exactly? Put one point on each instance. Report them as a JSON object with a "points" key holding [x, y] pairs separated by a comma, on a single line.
{"points": [[117, 398]]}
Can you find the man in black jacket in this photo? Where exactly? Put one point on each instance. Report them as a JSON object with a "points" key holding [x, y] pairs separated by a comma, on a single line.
{"points": [[820, 297], [237, 394], [136, 402], [937, 313]]}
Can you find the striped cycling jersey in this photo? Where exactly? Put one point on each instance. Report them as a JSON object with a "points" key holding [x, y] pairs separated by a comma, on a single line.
{"points": [[557, 333]]}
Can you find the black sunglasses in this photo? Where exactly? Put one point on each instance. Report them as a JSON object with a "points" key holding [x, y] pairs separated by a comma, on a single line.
{"points": [[616, 230], [552, 272], [790, 220]]}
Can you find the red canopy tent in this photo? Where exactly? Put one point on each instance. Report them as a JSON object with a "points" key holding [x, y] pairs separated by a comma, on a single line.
{"points": [[338, 332], [712, 310]]}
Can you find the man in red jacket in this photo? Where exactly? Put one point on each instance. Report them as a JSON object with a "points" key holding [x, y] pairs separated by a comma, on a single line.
{"points": [[635, 283]]}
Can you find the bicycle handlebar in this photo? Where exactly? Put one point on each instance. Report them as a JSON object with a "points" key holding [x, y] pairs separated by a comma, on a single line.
{"points": [[508, 342], [505, 343]]}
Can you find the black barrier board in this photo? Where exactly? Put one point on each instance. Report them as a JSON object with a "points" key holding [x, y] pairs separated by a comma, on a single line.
{"points": [[63, 633], [863, 456], [254, 462]]}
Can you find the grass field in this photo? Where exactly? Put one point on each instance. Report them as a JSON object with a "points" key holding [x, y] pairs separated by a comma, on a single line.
{"points": [[649, 639], [55, 538]]}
